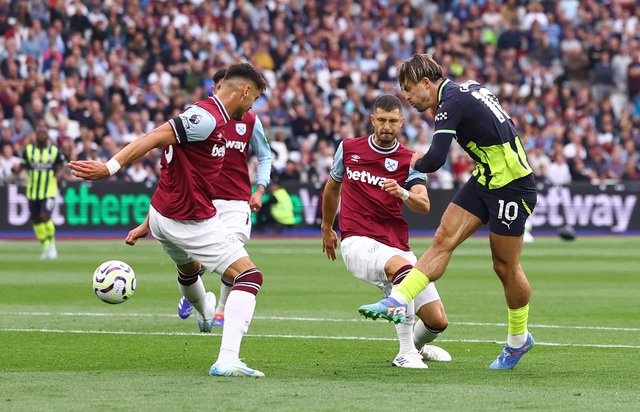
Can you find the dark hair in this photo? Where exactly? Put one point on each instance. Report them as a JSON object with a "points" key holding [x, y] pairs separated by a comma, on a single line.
{"points": [[247, 72], [387, 102], [219, 75], [418, 67]]}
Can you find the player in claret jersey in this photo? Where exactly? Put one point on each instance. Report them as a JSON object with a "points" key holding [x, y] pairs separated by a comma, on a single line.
{"points": [[182, 216], [234, 200], [501, 192], [375, 178]]}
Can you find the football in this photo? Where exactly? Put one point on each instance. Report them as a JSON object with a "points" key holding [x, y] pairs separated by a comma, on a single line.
{"points": [[114, 282]]}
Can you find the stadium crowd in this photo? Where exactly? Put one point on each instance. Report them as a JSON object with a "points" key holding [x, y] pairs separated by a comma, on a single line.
{"points": [[98, 74]]}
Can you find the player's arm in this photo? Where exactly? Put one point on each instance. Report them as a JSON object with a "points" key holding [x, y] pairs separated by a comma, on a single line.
{"points": [[330, 203], [22, 164], [418, 199], [139, 232], [448, 117], [261, 148], [414, 194], [94, 170]]}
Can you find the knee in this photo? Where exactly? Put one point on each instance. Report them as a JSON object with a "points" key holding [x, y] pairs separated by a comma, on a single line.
{"points": [[438, 324]]}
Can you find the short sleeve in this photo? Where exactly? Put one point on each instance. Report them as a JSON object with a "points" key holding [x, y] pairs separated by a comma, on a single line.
{"points": [[337, 169], [193, 125]]}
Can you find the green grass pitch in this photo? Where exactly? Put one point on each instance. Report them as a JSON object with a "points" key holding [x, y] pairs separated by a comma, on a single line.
{"points": [[62, 349]]}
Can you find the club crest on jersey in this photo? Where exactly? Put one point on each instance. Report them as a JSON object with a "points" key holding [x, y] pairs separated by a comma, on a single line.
{"points": [[355, 158], [391, 164], [241, 128]]}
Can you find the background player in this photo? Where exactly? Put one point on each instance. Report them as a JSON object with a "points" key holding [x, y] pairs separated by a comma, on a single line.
{"points": [[375, 178], [44, 162], [234, 201], [500, 192], [182, 216]]}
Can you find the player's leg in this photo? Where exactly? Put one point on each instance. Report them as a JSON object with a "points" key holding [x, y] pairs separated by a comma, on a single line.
{"points": [[35, 208], [509, 208], [236, 216], [463, 217], [457, 224], [241, 303], [172, 235], [396, 268], [49, 227], [505, 251], [432, 321]]}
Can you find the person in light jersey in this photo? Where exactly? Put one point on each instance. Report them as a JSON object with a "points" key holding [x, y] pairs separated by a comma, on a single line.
{"points": [[234, 200], [182, 216], [374, 177]]}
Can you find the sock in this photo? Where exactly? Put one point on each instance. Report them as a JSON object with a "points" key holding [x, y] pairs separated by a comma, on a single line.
{"points": [[41, 234], [225, 288], [240, 306], [518, 326], [192, 288], [414, 283], [404, 330], [422, 334], [50, 231]]}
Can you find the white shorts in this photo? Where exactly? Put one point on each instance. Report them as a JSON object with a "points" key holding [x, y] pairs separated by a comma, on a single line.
{"points": [[208, 241], [236, 216], [366, 258]]}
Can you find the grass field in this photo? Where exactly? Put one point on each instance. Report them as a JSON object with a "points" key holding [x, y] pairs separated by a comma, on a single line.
{"points": [[64, 350]]}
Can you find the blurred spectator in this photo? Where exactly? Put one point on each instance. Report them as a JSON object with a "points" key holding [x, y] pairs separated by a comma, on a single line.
{"points": [[568, 71], [558, 171]]}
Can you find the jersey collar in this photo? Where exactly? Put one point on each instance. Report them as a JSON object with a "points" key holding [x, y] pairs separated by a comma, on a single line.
{"points": [[223, 110], [380, 149], [441, 89]]}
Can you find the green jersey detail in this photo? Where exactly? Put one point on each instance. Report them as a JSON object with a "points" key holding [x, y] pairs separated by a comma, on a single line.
{"points": [[42, 183], [499, 165]]}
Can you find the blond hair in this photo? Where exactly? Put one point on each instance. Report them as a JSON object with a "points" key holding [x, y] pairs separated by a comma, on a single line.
{"points": [[418, 67]]}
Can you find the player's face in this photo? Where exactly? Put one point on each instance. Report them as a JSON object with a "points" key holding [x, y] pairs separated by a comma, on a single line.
{"points": [[249, 96], [420, 95], [42, 138], [386, 126]]}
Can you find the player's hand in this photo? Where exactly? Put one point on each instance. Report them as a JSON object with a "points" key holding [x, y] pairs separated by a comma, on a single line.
{"points": [[88, 169], [329, 243], [255, 202], [392, 187], [137, 233], [415, 157]]}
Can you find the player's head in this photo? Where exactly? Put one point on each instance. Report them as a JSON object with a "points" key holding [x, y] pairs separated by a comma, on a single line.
{"points": [[217, 79], [419, 78], [386, 119], [240, 88], [42, 137]]}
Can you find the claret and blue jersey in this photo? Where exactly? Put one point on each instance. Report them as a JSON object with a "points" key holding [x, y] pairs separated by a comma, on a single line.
{"points": [[473, 116]]}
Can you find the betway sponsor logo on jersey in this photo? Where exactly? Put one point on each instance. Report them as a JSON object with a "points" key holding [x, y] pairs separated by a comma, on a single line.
{"points": [[365, 177], [233, 144]]}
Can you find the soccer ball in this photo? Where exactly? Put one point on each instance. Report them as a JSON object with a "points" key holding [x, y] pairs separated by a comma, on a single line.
{"points": [[114, 282]]}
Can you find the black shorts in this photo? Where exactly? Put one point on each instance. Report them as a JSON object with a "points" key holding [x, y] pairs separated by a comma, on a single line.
{"points": [[37, 207], [505, 209]]}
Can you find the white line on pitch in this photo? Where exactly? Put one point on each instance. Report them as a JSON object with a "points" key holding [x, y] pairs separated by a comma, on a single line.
{"points": [[303, 319], [104, 332]]}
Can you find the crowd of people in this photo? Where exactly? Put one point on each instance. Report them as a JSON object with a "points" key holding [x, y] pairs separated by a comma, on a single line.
{"points": [[96, 75]]}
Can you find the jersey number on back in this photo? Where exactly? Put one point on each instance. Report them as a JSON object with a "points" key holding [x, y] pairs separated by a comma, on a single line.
{"points": [[491, 101]]}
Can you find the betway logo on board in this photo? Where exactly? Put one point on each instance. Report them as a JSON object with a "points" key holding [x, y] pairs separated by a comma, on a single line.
{"points": [[365, 177], [559, 207]]}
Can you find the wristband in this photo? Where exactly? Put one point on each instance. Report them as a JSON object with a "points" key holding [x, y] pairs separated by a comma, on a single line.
{"points": [[405, 195], [113, 166]]}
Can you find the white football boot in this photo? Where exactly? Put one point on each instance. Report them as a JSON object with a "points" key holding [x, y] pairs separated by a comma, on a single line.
{"points": [[434, 353], [411, 360]]}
